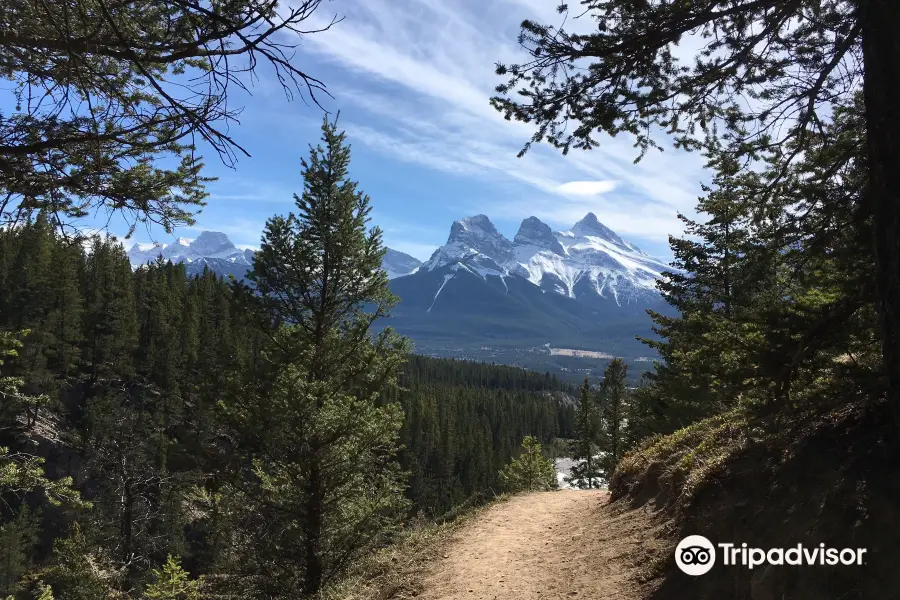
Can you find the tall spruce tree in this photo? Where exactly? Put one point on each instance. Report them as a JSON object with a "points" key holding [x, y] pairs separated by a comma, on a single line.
{"points": [[613, 394], [796, 326], [586, 472], [327, 488]]}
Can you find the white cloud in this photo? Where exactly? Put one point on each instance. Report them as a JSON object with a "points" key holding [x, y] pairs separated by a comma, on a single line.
{"points": [[586, 188]]}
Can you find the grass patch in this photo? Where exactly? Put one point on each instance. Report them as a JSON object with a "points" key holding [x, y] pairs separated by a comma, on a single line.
{"points": [[673, 466], [398, 571]]}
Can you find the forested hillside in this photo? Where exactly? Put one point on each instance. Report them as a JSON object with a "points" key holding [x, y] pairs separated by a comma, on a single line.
{"points": [[157, 404], [464, 421]]}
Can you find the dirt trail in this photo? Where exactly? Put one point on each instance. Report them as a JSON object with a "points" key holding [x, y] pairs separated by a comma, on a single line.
{"points": [[548, 545]]}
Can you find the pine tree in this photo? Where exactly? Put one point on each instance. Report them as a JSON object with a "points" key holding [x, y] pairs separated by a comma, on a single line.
{"points": [[328, 487], [530, 472], [795, 329], [716, 291], [18, 540], [110, 319], [22, 473], [613, 394], [171, 582], [116, 157], [586, 471], [75, 572]]}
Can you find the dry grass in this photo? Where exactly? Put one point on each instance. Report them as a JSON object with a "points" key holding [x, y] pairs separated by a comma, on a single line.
{"points": [[398, 571], [679, 462]]}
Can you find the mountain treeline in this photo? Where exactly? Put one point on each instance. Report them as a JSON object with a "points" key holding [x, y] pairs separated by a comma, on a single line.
{"points": [[190, 434]]}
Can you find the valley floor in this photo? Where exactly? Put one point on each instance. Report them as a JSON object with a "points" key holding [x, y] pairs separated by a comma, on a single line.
{"points": [[563, 544]]}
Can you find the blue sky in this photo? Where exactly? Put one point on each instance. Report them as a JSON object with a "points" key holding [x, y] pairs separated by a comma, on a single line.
{"points": [[412, 79]]}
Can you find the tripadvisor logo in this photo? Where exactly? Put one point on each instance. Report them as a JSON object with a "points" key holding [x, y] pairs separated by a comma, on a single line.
{"points": [[696, 555]]}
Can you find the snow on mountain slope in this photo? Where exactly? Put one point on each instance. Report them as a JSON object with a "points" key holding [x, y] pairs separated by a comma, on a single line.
{"points": [[398, 264], [214, 250], [588, 261], [209, 245], [475, 243]]}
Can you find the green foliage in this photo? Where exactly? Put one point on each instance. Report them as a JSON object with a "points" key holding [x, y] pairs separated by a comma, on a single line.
{"points": [[171, 582], [782, 296], [76, 572], [18, 539], [22, 473], [747, 49], [465, 421], [586, 471], [530, 472], [689, 455], [777, 304], [45, 592], [613, 407], [326, 488], [108, 125], [172, 393]]}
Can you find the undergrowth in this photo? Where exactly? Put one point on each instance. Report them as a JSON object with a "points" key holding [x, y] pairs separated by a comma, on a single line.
{"points": [[397, 571], [674, 465]]}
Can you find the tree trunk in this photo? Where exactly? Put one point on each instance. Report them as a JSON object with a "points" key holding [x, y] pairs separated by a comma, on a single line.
{"points": [[313, 532], [127, 521], [880, 21]]}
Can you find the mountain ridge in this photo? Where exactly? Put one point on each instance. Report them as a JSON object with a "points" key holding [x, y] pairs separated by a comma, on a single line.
{"points": [[584, 287], [587, 258], [215, 250]]}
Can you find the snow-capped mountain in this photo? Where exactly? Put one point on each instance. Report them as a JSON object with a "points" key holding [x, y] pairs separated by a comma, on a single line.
{"points": [[209, 245], [588, 261], [214, 250], [398, 264], [584, 287]]}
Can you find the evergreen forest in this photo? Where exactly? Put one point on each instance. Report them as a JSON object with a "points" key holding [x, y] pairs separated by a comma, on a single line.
{"points": [[158, 428]]}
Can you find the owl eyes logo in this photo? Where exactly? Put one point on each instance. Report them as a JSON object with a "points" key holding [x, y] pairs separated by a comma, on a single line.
{"points": [[695, 555]]}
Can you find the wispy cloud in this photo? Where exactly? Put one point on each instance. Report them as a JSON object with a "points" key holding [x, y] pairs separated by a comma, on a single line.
{"points": [[427, 89], [408, 237]]}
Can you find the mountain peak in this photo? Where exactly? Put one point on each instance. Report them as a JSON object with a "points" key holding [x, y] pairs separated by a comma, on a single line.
{"points": [[469, 225], [534, 232], [212, 241], [398, 264], [475, 239], [210, 244], [590, 225], [479, 234]]}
